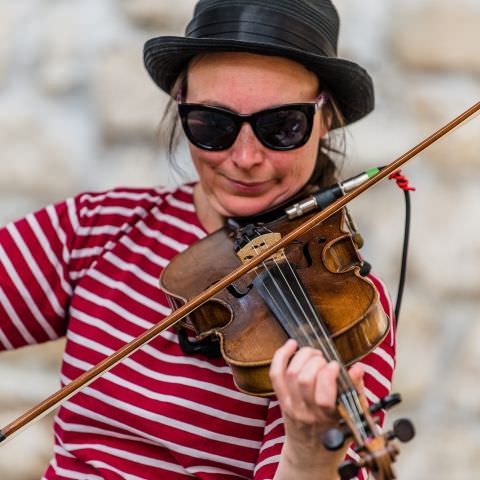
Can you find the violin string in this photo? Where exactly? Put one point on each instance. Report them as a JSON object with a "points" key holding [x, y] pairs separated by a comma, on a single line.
{"points": [[332, 354], [283, 297], [349, 396]]}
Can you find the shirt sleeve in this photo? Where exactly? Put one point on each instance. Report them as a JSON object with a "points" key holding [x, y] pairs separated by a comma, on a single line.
{"points": [[271, 448], [35, 287], [378, 365], [44, 255]]}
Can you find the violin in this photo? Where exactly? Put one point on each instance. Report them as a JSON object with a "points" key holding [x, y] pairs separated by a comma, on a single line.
{"points": [[312, 291], [258, 261], [313, 288]]}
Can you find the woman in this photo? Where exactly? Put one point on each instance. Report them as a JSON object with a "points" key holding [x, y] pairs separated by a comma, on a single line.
{"points": [[258, 87]]}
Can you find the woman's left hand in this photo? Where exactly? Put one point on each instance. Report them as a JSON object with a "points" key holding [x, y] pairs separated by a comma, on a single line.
{"points": [[306, 388]]}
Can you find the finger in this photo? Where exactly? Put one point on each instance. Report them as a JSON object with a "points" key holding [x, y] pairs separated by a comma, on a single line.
{"points": [[303, 378], [301, 358], [326, 387], [357, 373], [279, 365], [286, 366]]}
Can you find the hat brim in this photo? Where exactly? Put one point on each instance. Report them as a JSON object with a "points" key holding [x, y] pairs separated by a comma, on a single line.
{"points": [[350, 84]]}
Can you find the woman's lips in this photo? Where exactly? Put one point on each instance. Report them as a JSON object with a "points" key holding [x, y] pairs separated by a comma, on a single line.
{"points": [[248, 187]]}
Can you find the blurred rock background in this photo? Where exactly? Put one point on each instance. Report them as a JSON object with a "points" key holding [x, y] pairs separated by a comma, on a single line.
{"points": [[78, 111]]}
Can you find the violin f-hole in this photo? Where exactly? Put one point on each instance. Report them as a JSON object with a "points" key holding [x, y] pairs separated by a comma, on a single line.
{"points": [[232, 289], [307, 255]]}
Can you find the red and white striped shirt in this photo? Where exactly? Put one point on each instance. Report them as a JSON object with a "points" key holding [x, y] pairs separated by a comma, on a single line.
{"points": [[88, 268]]}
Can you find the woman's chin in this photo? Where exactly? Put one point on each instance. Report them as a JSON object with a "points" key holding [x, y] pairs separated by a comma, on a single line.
{"points": [[245, 207]]}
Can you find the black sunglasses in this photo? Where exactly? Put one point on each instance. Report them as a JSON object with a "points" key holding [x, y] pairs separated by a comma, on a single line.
{"points": [[285, 127]]}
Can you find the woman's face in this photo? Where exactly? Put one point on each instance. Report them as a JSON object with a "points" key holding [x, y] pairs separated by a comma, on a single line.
{"points": [[248, 177]]}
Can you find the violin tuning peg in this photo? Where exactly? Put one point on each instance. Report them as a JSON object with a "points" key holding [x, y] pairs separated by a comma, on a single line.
{"points": [[348, 470], [403, 429], [391, 400], [334, 439], [386, 403]]}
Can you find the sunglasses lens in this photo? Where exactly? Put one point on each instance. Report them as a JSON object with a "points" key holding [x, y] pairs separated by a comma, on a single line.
{"points": [[283, 129], [210, 129]]}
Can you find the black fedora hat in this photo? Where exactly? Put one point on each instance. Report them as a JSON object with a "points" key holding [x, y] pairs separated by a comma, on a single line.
{"points": [[302, 30]]}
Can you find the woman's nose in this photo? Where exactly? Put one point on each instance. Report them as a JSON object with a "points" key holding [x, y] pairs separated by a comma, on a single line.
{"points": [[247, 151]]}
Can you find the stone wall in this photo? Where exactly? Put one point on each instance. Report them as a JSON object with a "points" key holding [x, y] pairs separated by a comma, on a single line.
{"points": [[77, 112]]}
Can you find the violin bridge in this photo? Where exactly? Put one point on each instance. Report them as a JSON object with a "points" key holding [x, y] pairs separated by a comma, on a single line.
{"points": [[258, 245]]}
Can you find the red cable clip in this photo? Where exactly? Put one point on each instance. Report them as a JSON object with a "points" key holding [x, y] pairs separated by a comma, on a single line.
{"points": [[402, 181]]}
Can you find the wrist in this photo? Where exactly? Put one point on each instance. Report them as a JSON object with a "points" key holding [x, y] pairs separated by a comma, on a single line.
{"points": [[304, 464], [303, 442]]}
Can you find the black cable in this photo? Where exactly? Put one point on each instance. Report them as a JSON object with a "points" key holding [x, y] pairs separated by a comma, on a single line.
{"points": [[403, 264], [402, 182]]}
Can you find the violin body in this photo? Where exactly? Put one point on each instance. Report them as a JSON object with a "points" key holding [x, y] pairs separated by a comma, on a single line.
{"points": [[326, 260]]}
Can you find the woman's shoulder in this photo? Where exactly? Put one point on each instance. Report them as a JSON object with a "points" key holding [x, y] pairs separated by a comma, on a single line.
{"points": [[120, 203], [133, 196]]}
